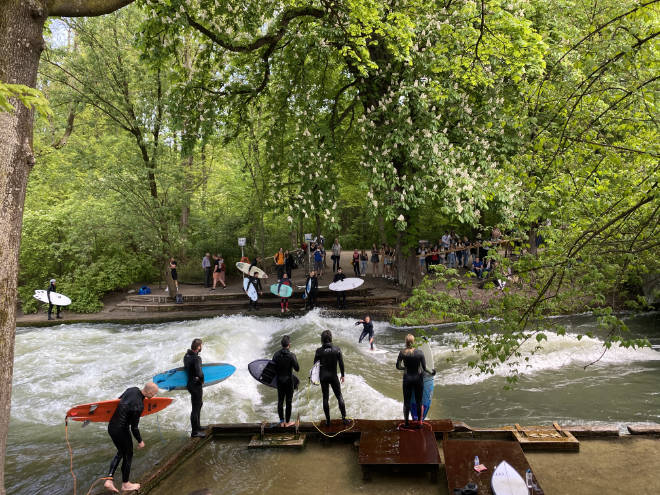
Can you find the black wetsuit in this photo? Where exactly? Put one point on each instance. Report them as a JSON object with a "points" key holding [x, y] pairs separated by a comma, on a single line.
{"points": [[289, 262], [313, 291], [341, 295], [51, 288], [330, 356], [124, 421], [414, 364], [192, 362], [257, 287], [285, 363], [367, 330]]}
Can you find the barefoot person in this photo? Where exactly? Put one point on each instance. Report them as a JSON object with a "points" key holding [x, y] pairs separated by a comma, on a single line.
{"points": [[193, 364], [367, 330], [285, 364], [124, 421], [330, 356], [414, 364]]}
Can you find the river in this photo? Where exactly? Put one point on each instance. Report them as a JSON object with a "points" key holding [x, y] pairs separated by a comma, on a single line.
{"points": [[58, 367]]}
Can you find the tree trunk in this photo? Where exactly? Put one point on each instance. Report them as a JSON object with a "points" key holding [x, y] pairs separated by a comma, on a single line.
{"points": [[21, 43], [381, 229], [406, 265], [533, 231]]}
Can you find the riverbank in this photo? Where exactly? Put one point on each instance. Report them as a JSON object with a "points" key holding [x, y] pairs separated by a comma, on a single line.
{"points": [[383, 301]]}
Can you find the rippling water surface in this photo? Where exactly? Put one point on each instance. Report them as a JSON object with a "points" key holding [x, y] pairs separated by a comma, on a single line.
{"points": [[61, 366]]}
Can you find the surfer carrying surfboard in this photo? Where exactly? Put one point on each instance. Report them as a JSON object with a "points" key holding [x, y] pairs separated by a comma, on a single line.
{"points": [[367, 330], [284, 301], [285, 364], [311, 289], [414, 363], [330, 356], [254, 283], [125, 421], [51, 288], [341, 295]]}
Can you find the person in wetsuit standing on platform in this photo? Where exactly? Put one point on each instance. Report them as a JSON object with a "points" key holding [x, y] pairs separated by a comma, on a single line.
{"points": [[367, 330], [414, 365], [124, 421], [285, 364], [330, 356], [192, 362]]}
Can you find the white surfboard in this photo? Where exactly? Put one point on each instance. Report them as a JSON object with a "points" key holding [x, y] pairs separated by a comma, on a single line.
{"points": [[249, 288], [55, 297], [346, 284], [314, 373], [256, 271], [507, 481]]}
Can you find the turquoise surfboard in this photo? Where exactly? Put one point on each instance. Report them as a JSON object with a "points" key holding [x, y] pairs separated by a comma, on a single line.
{"points": [[284, 290], [427, 394], [177, 378]]}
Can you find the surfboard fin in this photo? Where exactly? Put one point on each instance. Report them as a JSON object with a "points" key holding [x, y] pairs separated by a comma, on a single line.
{"points": [[85, 423]]}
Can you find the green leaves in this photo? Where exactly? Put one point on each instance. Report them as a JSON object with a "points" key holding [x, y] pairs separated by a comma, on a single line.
{"points": [[30, 97]]}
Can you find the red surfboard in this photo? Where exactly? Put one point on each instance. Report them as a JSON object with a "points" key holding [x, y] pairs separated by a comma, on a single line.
{"points": [[101, 412]]}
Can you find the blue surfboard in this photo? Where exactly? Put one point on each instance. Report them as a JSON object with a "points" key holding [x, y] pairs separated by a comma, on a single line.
{"points": [[427, 394], [177, 378]]}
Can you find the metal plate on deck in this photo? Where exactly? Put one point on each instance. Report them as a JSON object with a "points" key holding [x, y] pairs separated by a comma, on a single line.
{"points": [[275, 440], [459, 461], [416, 447]]}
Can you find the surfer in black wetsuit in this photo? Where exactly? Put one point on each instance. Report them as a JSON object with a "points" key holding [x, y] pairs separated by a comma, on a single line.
{"points": [[341, 295], [285, 364], [256, 283], [192, 362], [367, 329], [51, 288], [414, 365], [330, 356], [124, 421], [312, 283]]}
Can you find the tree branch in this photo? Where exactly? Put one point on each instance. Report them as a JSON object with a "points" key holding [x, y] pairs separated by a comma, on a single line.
{"points": [[269, 39], [84, 8]]}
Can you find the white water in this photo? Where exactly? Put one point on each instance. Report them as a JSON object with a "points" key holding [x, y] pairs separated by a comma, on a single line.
{"points": [[58, 367]]}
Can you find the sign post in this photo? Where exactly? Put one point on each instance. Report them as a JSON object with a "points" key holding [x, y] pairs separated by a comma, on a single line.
{"points": [[241, 243]]}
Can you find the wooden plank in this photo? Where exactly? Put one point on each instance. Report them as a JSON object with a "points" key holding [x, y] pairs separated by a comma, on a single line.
{"points": [[277, 440], [398, 447], [459, 461], [644, 430], [587, 431], [336, 425], [545, 438]]}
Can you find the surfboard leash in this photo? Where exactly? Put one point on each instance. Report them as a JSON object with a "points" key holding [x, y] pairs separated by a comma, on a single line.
{"points": [[68, 444], [75, 480], [328, 435]]}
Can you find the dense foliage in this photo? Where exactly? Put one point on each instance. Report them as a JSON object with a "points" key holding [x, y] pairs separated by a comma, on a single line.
{"points": [[178, 126]]}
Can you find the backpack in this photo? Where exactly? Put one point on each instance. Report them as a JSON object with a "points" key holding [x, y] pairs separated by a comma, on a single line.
{"points": [[178, 299], [144, 290]]}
